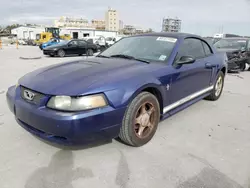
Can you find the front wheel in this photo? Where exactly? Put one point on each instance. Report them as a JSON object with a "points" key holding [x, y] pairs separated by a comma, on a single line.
{"points": [[242, 66], [90, 52], [218, 87], [61, 53], [141, 120]]}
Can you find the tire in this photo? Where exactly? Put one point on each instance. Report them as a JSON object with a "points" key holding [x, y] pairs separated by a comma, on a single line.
{"points": [[130, 131], [90, 52], [242, 66], [102, 48], [215, 94], [61, 53]]}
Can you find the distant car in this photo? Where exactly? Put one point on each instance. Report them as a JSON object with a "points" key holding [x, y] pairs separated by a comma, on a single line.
{"points": [[100, 41], [31, 42], [71, 47], [111, 40], [122, 92], [237, 50], [22, 42], [50, 43]]}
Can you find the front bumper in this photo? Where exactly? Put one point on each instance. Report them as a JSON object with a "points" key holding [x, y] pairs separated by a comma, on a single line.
{"points": [[49, 52], [64, 127]]}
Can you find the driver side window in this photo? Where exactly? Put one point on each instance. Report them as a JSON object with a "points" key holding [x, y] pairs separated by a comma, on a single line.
{"points": [[73, 43], [191, 47]]}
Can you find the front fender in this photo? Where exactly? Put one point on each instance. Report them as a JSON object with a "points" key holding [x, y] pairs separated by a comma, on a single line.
{"points": [[122, 96]]}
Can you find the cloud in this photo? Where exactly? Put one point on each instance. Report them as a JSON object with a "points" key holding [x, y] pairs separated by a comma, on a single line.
{"points": [[197, 15]]}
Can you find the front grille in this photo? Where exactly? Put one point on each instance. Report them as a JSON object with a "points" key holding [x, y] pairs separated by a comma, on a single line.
{"points": [[37, 98]]}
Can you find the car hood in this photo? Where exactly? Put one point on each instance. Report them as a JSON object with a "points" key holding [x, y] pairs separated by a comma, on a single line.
{"points": [[74, 78]]}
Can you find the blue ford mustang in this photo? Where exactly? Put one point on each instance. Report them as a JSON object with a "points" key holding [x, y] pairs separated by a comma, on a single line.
{"points": [[122, 92]]}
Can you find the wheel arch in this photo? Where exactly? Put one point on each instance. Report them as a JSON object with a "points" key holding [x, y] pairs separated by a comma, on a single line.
{"points": [[152, 88], [224, 70]]}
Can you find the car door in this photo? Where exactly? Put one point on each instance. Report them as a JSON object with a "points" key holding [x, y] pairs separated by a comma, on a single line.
{"points": [[190, 79], [82, 47], [72, 47]]}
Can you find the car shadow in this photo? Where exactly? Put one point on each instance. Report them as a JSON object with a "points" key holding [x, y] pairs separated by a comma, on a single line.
{"points": [[79, 146], [60, 172]]}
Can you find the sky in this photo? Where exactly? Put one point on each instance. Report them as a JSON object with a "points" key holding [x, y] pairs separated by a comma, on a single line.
{"points": [[198, 16]]}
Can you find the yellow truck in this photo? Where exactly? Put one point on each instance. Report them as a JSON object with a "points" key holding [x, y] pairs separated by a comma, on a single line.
{"points": [[50, 32]]}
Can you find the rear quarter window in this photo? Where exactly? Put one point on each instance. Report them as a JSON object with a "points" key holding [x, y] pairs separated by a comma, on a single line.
{"points": [[207, 49]]}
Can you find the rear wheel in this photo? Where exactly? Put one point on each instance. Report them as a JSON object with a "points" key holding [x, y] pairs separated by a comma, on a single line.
{"points": [[90, 52], [242, 66], [141, 120], [61, 53], [218, 87]]}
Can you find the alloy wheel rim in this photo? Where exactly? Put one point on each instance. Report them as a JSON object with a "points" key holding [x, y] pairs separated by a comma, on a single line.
{"points": [[61, 53], [90, 52], [218, 86], [144, 121]]}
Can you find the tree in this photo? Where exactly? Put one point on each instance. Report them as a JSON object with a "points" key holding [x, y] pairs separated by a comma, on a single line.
{"points": [[150, 30], [10, 27]]}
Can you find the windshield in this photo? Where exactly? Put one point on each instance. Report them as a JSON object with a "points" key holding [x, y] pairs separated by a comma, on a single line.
{"points": [[231, 43], [151, 48]]}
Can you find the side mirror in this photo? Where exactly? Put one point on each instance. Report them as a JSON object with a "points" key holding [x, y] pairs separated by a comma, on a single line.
{"points": [[186, 60]]}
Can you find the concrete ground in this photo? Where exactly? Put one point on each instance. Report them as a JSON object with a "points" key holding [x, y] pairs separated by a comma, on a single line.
{"points": [[204, 146]]}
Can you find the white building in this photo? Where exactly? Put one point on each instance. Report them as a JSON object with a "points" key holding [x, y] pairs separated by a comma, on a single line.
{"points": [[79, 33], [112, 20], [171, 25], [25, 32], [71, 22]]}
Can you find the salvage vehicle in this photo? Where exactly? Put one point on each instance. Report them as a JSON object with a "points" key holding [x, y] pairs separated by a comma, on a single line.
{"points": [[51, 42], [71, 47], [100, 41], [238, 52], [122, 92]]}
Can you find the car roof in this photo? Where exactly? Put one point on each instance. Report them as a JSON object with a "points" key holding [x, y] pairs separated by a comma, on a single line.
{"points": [[177, 35]]}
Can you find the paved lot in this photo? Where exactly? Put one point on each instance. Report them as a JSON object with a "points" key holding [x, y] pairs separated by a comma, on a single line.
{"points": [[204, 146]]}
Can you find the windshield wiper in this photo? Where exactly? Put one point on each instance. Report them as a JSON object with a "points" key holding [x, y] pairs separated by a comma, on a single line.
{"points": [[129, 57], [102, 56]]}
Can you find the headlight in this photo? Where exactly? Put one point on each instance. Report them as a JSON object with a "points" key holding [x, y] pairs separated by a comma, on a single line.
{"points": [[77, 103]]}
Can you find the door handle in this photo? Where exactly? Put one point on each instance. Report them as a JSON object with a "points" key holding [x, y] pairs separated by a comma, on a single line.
{"points": [[209, 65]]}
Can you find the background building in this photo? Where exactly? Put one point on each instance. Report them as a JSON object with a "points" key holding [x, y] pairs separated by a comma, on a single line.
{"points": [[132, 30], [98, 24], [120, 24], [72, 22], [27, 32], [171, 25], [112, 20]]}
